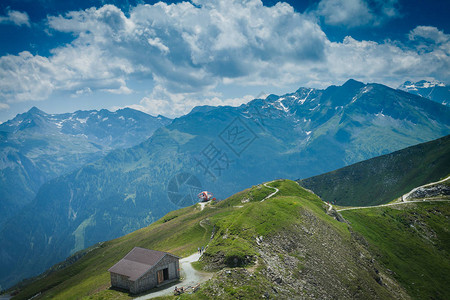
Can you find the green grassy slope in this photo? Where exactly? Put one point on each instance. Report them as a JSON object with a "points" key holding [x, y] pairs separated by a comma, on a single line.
{"points": [[286, 246], [384, 178], [413, 241], [178, 232]]}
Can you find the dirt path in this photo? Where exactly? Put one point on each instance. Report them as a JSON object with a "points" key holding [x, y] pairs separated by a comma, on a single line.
{"points": [[391, 204], [276, 191], [202, 205], [191, 277], [405, 196]]}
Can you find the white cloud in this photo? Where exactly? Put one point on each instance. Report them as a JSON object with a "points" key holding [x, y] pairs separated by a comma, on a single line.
{"points": [[389, 63], [161, 101], [429, 33], [355, 13], [187, 50], [15, 17], [4, 106], [184, 47]]}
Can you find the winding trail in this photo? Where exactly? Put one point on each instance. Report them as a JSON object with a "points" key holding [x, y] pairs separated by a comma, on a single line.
{"points": [[391, 204], [273, 194], [405, 196], [202, 205]]}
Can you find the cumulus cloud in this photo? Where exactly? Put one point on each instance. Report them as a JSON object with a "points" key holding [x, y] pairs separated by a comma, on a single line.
{"points": [[354, 13], [16, 17], [161, 101], [184, 47], [188, 49], [429, 33], [388, 62]]}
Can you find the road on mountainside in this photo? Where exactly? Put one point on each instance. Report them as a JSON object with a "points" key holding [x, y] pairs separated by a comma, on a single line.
{"points": [[276, 191], [397, 203], [191, 277], [404, 197]]}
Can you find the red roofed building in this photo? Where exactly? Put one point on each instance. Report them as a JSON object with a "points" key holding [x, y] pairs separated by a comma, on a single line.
{"points": [[142, 269]]}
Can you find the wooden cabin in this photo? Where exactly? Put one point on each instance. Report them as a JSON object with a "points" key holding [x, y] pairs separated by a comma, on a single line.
{"points": [[142, 269]]}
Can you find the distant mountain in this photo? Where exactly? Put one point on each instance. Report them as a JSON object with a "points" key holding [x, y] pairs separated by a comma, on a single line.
{"points": [[384, 178], [36, 147], [436, 91], [222, 150], [289, 246]]}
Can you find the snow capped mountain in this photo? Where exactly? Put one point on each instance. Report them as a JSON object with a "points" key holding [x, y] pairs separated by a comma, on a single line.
{"points": [[106, 130], [433, 90], [36, 147]]}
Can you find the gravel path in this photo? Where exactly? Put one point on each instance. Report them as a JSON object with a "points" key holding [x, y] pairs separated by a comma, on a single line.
{"points": [[397, 203], [276, 191], [405, 196]]}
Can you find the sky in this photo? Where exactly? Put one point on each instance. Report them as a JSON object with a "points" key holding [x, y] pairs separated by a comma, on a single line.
{"points": [[168, 57]]}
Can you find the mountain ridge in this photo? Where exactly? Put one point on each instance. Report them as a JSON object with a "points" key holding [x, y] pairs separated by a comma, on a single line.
{"points": [[36, 147]]}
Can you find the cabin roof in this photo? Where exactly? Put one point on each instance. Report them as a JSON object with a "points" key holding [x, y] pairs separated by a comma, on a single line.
{"points": [[137, 262]]}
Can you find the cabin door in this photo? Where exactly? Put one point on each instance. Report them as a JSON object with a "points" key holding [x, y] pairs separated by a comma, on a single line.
{"points": [[160, 276]]}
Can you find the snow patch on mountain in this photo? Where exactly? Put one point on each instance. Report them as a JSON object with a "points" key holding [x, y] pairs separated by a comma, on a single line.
{"points": [[82, 121], [301, 101], [423, 84]]}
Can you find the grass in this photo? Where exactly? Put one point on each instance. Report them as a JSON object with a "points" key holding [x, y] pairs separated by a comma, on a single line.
{"points": [[181, 232], [413, 242], [417, 255]]}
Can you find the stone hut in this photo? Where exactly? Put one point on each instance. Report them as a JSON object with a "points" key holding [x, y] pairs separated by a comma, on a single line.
{"points": [[142, 269]]}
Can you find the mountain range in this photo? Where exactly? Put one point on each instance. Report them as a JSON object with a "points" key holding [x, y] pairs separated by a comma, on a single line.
{"points": [[221, 149], [433, 90], [36, 147]]}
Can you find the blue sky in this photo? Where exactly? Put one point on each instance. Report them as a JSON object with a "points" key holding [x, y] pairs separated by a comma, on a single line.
{"points": [[167, 57]]}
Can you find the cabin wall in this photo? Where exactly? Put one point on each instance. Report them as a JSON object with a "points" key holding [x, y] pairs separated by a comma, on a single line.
{"points": [[150, 279], [120, 281]]}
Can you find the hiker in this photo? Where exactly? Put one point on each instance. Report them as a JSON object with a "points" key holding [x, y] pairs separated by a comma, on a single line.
{"points": [[203, 249], [198, 250]]}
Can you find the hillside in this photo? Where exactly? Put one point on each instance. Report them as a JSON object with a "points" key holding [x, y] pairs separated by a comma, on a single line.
{"points": [[36, 147], [384, 178], [286, 246], [220, 149]]}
